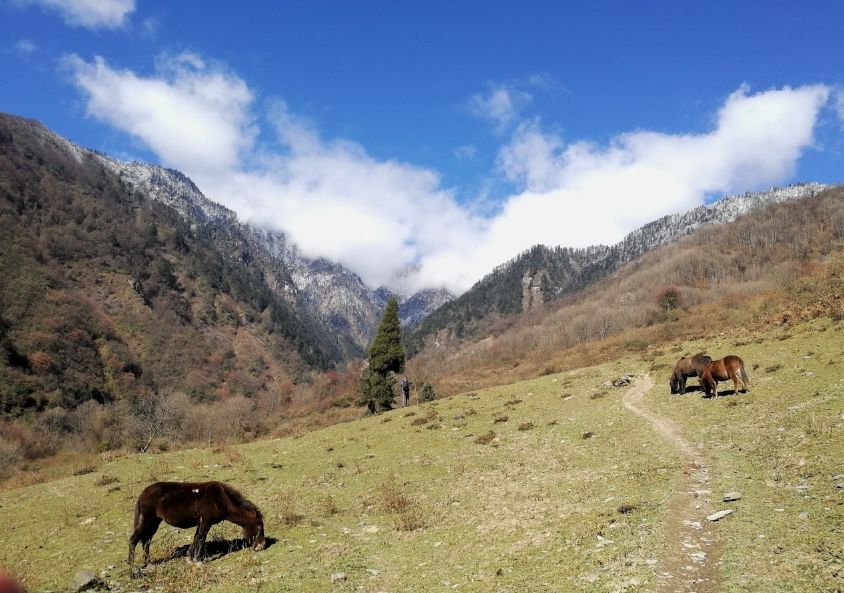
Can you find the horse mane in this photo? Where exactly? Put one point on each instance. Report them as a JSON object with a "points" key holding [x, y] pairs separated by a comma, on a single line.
{"points": [[238, 498]]}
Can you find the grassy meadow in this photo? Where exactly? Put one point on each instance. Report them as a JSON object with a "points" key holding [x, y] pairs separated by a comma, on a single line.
{"points": [[543, 485]]}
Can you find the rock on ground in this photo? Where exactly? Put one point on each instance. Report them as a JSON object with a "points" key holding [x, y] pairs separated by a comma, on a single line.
{"points": [[87, 581]]}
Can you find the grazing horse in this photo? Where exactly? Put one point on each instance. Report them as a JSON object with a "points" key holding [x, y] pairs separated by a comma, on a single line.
{"points": [[193, 504], [687, 367], [729, 367]]}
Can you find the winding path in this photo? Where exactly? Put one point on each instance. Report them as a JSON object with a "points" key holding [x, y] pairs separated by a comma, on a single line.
{"points": [[691, 560]]}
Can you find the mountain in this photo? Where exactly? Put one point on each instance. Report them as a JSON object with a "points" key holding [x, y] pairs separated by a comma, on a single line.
{"points": [[115, 287], [331, 292], [542, 274], [134, 256]]}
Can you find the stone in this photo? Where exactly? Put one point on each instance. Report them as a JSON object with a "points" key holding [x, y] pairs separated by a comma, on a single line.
{"points": [[719, 515], [804, 515], [732, 496], [338, 577], [86, 580]]}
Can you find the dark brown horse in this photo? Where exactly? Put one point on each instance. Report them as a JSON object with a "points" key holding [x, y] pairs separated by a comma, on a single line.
{"points": [[193, 504], [729, 367], [685, 368]]}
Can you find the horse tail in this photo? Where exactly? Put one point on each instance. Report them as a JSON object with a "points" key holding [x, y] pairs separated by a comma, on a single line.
{"points": [[745, 379], [137, 512]]}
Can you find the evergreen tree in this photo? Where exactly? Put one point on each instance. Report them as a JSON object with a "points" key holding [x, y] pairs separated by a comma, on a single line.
{"points": [[428, 394], [386, 356], [377, 392]]}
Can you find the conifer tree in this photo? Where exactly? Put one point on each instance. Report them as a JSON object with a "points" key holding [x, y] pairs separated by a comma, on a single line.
{"points": [[386, 356], [386, 353]]}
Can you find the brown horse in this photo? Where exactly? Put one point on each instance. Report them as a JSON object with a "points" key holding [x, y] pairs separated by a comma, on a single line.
{"points": [[193, 504], [687, 367], [729, 367]]}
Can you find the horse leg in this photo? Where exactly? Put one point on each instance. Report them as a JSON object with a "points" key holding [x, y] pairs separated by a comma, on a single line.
{"points": [[199, 540], [146, 538], [735, 378], [142, 533], [133, 542]]}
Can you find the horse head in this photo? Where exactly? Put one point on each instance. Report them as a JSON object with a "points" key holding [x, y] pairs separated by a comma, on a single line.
{"points": [[674, 383], [254, 531]]}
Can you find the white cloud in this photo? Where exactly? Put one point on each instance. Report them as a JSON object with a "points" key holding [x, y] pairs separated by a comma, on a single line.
{"points": [[379, 217], [192, 115], [91, 14], [581, 194], [839, 104], [25, 47], [466, 152], [501, 104]]}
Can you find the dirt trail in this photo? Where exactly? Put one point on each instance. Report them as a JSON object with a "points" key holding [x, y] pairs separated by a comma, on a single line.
{"points": [[691, 560]]}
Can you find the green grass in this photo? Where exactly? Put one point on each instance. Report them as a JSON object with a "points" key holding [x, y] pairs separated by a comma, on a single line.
{"points": [[423, 507], [780, 445]]}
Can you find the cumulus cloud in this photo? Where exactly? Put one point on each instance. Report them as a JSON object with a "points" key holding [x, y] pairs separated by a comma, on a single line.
{"points": [[380, 217], [192, 115], [91, 14]]}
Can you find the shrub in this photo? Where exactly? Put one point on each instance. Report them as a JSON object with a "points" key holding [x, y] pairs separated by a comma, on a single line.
{"points": [[10, 455], [427, 394], [526, 426]]}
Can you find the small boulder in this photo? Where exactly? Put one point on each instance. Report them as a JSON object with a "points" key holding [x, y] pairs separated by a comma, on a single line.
{"points": [[719, 515], [732, 496], [87, 581], [338, 577]]}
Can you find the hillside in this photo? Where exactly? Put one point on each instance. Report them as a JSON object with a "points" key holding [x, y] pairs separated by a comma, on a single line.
{"points": [[668, 293], [108, 297], [544, 274], [574, 491]]}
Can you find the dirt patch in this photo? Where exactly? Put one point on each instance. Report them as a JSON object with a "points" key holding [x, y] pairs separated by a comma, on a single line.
{"points": [[691, 560]]}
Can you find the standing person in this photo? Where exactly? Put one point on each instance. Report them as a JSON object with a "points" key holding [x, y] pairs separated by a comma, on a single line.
{"points": [[405, 392]]}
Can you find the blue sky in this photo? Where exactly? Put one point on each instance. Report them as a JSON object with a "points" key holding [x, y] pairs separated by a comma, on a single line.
{"points": [[446, 136]]}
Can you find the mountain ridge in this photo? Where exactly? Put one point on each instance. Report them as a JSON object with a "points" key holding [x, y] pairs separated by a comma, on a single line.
{"points": [[545, 273], [331, 291]]}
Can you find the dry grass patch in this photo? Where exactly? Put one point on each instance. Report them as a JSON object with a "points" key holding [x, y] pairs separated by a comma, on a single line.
{"points": [[390, 498], [486, 438], [328, 506], [286, 509], [410, 519]]}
